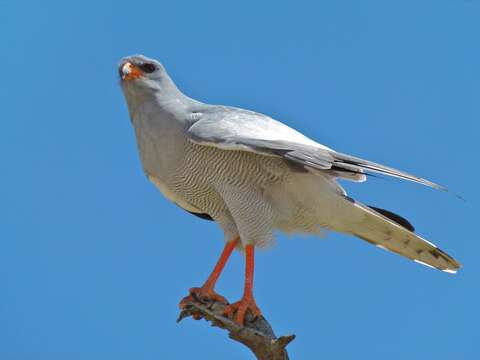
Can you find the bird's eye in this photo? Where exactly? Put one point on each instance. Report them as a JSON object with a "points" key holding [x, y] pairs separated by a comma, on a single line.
{"points": [[148, 68]]}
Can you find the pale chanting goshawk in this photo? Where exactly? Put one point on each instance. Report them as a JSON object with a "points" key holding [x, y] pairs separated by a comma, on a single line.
{"points": [[252, 175]]}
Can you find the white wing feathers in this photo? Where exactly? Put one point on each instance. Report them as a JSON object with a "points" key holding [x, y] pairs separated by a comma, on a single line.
{"points": [[237, 129]]}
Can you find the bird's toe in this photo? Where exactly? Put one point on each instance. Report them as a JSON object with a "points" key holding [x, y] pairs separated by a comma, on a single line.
{"points": [[202, 294], [240, 309]]}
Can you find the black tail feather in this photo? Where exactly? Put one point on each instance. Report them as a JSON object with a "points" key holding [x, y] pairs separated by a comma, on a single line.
{"points": [[394, 217]]}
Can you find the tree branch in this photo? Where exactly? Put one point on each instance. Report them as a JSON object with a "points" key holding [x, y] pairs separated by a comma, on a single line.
{"points": [[257, 335]]}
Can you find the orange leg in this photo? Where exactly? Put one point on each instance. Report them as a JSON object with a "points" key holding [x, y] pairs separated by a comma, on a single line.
{"points": [[207, 289], [247, 301]]}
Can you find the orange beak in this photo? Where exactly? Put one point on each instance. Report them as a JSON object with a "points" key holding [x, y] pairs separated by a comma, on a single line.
{"points": [[128, 71]]}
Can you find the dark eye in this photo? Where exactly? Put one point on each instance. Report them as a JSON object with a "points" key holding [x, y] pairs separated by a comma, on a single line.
{"points": [[148, 68]]}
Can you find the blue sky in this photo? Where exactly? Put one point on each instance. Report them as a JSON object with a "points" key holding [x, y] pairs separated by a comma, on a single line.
{"points": [[93, 260]]}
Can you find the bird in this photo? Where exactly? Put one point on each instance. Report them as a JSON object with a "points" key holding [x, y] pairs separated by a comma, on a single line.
{"points": [[254, 175]]}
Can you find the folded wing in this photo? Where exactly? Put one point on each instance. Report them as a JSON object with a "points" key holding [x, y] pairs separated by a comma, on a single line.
{"points": [[237, 129]]}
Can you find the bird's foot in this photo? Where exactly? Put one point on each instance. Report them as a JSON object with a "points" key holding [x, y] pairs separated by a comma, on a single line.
{"points": [[240, 308], [202, 293]]}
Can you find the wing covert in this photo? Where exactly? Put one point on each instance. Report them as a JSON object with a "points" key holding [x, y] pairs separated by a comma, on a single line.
{"points": [[237, 129]]}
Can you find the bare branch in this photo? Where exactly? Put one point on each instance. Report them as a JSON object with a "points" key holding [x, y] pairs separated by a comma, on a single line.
{"points": [[257, 335]]}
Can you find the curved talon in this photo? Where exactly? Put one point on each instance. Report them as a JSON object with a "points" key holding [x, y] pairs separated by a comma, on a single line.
{"points": [[240, 309], [202, 293]]}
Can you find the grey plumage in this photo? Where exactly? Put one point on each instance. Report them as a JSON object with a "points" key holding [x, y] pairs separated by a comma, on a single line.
{"points": [[253, 174]]}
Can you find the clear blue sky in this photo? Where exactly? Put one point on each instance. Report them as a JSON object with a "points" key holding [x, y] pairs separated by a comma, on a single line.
{"points": [[93, 260]]}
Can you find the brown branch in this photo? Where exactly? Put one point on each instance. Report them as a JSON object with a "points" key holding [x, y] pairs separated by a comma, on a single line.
{"points": [[257, 335]]}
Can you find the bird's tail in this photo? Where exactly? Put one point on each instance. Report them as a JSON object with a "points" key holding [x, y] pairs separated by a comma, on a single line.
{"points": [[389, 231]]}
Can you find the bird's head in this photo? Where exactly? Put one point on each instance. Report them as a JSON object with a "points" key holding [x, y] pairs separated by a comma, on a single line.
{"points": [[142, 78], [140, 71]]}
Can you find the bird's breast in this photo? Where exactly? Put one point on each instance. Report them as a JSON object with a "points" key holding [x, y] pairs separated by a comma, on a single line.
{"points": [[172, 195], [161, 141]]}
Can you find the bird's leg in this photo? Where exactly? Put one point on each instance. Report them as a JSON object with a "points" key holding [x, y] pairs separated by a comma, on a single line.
{"points": [[207, 289], [247, 301]]}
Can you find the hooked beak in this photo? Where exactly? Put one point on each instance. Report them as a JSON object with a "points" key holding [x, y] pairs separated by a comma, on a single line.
{"points": [[128, 71]]}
